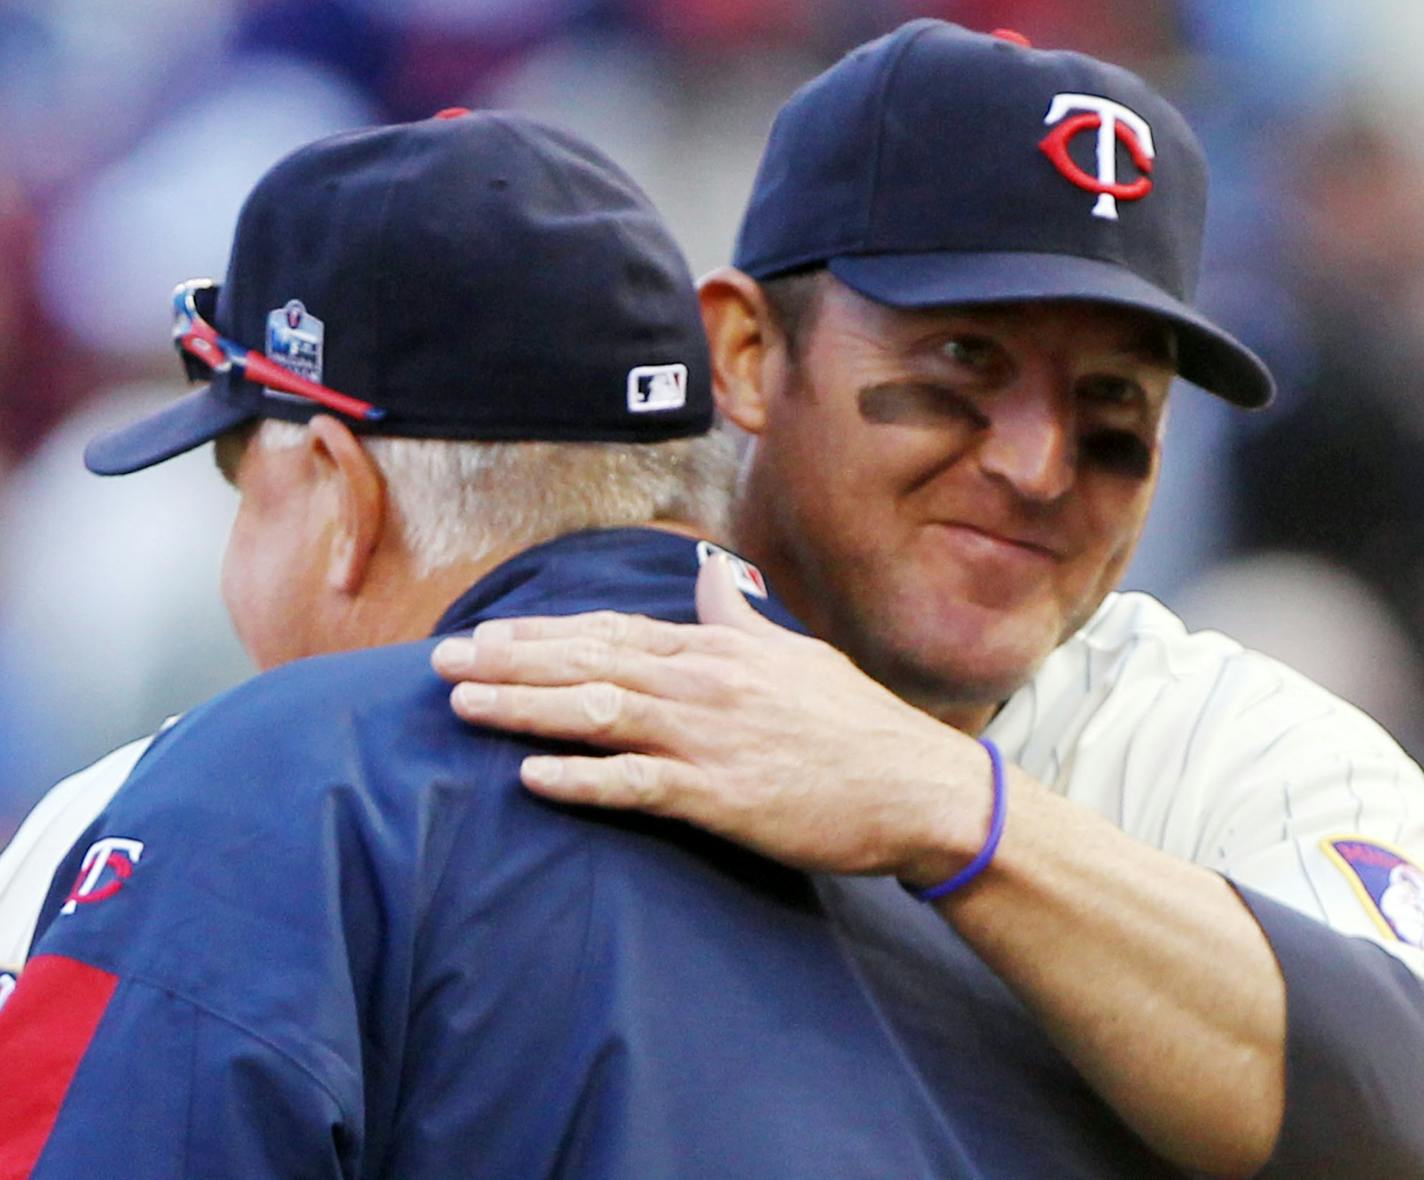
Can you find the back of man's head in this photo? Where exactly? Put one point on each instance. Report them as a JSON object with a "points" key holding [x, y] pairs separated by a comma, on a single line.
{"points": [[479, 279]]}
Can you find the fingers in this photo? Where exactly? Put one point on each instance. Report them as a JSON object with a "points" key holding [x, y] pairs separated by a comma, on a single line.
{"points": [[603, 645], [494, 656], [597, 713], [640, 782], [612, 627], [622, 780]]}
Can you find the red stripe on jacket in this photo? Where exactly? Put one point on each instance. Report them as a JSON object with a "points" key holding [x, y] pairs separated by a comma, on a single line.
{"points": [[45, 1029]]}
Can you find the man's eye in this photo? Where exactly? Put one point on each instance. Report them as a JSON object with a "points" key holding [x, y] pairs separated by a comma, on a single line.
{"points": [[1113, 391], [974, 353]]}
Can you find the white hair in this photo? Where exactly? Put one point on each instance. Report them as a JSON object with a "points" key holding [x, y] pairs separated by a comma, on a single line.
{"points": [[462, 501]]}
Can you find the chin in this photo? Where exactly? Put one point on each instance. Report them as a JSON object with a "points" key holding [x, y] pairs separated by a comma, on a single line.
{"points": [[269, 652], [965, 663], [941, 689]]}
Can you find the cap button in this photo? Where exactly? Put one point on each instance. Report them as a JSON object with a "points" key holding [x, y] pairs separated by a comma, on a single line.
{"points": [[451, 113], [1013, 35]]}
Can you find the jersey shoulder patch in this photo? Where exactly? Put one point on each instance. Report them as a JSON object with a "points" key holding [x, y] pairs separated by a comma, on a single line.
{"points": [[1389, 885]]}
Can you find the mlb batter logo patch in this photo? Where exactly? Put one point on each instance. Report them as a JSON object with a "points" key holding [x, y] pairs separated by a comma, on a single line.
{"points": [[657, 387], [1387, 882], [747, 577]]}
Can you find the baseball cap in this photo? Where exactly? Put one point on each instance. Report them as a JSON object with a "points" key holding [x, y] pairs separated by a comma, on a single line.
{"points": [[475, 275], [939, 166]]}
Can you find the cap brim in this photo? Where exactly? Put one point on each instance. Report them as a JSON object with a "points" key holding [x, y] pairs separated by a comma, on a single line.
{"points": [[187, 423], [1206, 355]]}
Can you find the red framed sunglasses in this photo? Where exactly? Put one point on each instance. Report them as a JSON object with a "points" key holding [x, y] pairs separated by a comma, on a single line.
{"points": [[204, 351]]}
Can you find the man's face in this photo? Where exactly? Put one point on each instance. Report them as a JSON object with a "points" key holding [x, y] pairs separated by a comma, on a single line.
{"points": [[945, 495], [271, 581]]}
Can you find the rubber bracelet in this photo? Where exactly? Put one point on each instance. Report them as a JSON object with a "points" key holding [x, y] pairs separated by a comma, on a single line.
{"points": [[991, 843]]}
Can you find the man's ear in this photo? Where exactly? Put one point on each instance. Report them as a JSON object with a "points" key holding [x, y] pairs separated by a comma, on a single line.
{"points": [[360, 492], [746, 343]]}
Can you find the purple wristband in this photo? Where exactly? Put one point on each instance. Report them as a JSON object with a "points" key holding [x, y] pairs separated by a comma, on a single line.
{"points": [[996, 830]]}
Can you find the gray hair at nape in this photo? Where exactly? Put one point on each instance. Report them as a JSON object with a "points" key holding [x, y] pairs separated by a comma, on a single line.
{"points": [[461, 501]]}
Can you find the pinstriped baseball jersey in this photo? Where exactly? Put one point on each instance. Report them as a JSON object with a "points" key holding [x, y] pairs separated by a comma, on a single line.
{"points": [[1228, 758]]}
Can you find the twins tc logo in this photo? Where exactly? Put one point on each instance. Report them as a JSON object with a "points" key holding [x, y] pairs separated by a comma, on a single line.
{"points": [[1112, 122], [106, 866]]}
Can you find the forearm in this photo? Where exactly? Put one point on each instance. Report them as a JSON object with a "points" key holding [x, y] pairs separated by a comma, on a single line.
{"points": [[1149, 973]]}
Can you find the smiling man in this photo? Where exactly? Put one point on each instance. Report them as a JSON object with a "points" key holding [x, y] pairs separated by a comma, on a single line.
{"points": [[1145, 926], [943, 556]]}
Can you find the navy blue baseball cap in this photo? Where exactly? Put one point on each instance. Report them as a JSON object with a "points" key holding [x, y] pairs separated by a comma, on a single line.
{"points": [[938, 166], [471, 276]]}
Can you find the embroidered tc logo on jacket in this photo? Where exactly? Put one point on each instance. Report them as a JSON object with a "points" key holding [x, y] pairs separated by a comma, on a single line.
{"points": [[106, 866]]}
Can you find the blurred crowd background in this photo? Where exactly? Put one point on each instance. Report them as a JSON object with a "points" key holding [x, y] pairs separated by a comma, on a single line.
{"points": [[131, 129]]}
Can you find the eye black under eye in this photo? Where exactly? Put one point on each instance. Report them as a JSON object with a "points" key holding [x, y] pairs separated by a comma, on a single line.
{"points": [[1118, 452], [916, 403]]}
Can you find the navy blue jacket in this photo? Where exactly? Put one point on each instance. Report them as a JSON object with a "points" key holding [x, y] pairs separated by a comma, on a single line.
{"points": [[326, 934]]}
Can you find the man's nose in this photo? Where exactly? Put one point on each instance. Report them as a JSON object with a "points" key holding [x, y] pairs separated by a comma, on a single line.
{"points": [[1031, 442]]}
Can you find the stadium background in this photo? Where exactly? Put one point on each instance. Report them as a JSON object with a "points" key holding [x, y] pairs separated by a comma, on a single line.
{"points": [[130, 130]]}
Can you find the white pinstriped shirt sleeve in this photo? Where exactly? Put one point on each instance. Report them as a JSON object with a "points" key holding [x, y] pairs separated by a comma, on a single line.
{"points": [[28, 862], [1230, 759]]}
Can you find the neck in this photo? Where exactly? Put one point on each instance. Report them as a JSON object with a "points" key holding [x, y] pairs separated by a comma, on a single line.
{"points": [[398, 603], [967, 716], [682, 528]]}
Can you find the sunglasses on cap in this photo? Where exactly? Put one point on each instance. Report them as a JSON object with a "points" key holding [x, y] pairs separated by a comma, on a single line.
{"points": [[204, 352]]}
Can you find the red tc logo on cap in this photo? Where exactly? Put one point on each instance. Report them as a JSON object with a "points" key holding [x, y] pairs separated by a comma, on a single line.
{"points": [[1112, 122]]}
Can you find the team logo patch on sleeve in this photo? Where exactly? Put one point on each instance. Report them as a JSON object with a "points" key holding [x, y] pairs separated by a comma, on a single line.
{"points": [[106, 866], [1388, 883], [747, 577]]}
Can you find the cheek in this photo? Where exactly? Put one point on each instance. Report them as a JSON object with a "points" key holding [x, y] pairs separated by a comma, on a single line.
{"points": [[257, 588], [846, 519], [239, 578], [801, 469], [232, 564], [1137, 500], [836, 467], [1118, 516]]}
